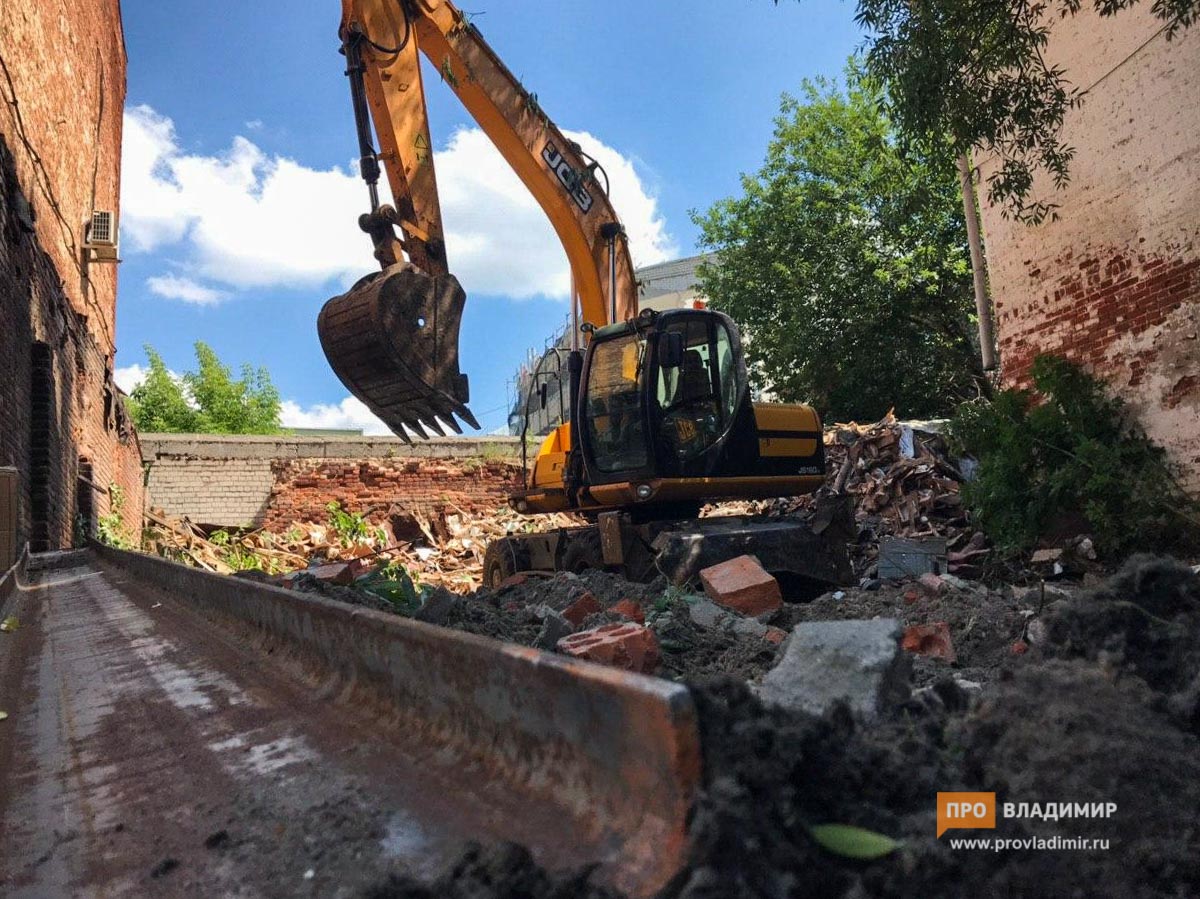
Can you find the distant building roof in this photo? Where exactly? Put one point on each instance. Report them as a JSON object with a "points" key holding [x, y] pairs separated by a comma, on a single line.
{"points": [[669, 277]]}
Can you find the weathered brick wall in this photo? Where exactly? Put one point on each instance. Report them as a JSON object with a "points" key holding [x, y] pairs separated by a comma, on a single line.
{"points": [[62, 86], [274, 481], [304, 487], [1115, 282]]}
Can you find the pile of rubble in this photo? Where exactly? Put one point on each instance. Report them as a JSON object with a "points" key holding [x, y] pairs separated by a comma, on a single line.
{"points": [[443, 550], [823, 778], [901, 482]]}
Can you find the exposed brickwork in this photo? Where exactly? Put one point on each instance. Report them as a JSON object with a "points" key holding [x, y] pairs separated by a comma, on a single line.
{"points": [[62, 91], [303, 488], [1114, 283], [1088, 312], [273, 482]]}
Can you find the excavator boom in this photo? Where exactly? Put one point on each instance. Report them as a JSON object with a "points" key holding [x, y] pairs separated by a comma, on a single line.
{"points": [[393, 338]]}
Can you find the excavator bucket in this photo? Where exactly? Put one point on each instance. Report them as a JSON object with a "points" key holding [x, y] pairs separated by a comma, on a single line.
{"points": [[392, 339]]}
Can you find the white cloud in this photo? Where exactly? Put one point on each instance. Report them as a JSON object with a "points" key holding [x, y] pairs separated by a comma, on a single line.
{"points": [[349, 413], [174, 287], [244, 219], [129, 376], [254, 124]]}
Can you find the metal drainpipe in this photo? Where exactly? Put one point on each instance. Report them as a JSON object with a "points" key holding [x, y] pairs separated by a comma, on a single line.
{"points": [[983, 307]]}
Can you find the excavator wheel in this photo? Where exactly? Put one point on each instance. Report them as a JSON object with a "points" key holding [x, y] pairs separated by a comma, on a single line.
{"points": [[392, 339], [583, 552], [502, 559]]}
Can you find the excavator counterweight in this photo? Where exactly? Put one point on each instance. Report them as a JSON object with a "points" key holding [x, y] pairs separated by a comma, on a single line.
{"points": [[392, 339]]}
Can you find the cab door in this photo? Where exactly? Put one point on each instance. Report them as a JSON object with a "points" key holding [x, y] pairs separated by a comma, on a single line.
{"points": [[695, 403]]}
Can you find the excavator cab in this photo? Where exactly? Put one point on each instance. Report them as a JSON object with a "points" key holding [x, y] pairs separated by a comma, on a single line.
{"points": [[663, 397]]}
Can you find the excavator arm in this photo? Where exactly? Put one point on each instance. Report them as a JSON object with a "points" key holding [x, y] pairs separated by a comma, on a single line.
{"points": [[392, 339]]}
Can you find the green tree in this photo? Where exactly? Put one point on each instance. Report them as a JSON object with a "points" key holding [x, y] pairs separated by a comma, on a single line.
{"points": [[976, 70], [208, 400], [158, 404], [846, 262]]}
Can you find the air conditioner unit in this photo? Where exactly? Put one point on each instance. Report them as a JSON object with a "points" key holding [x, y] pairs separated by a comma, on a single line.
{"points": [[101, 240]]}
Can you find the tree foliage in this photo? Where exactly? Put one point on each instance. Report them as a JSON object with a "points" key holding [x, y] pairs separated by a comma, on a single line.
{"points": [[1068, 452], [846, 262], [976, 70], [208, 400]]}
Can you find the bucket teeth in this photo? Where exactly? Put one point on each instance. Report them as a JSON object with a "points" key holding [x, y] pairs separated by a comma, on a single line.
{"points": [[392, 339]]}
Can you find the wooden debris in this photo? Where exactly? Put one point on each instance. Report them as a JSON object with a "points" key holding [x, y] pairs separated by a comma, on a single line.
{"points": [[892, 494], [449, 552]]}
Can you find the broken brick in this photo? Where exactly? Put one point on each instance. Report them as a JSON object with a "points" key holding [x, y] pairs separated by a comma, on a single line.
{"points": [[775, 635], [741, 584], [581, 608], [911, 596], [339, 573], [629, 646], [629, 609], [931, 640], [513, 580], [1019, 648]]}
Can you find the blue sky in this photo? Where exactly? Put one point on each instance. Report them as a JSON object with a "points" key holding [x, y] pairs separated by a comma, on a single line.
{"points": [[239, 200]]}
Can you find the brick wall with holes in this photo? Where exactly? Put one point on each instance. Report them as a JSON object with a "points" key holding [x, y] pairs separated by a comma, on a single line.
{"points": [[1114, 282], [62, 87]]}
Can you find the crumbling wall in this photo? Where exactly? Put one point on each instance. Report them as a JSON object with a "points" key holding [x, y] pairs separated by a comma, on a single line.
{"points": [[238, 481], [1114, 283], [304, 487], [62, 83]]}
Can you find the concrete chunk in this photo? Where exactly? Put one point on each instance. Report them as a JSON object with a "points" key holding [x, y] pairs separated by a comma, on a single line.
{"points": [[437, 607], [741, 584], [824, 661], [554, 628], [705, 613]]}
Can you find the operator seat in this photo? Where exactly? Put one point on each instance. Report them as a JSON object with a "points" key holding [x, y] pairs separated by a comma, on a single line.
{"points": [[694, 383]]}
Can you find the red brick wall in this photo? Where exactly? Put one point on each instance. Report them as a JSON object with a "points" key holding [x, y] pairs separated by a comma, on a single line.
{"points": [[1114, 282], [1094, 311], [62, 93], [304, 487]]}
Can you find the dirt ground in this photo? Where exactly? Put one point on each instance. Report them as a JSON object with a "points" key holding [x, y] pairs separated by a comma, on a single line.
{"points": [[1102, 707]]}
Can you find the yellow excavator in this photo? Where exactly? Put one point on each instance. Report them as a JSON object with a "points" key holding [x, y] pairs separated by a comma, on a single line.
{"points": [[661, 416]]}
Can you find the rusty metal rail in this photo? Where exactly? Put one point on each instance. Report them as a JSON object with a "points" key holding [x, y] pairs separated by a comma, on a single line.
{"points": [[479, 739]]}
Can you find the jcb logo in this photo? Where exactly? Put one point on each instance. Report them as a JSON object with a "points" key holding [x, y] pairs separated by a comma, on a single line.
{"points": [[570, 178]]}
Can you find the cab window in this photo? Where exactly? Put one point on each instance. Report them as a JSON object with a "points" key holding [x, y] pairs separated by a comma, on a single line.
{"points": [[614, 412], [697, 399]]}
